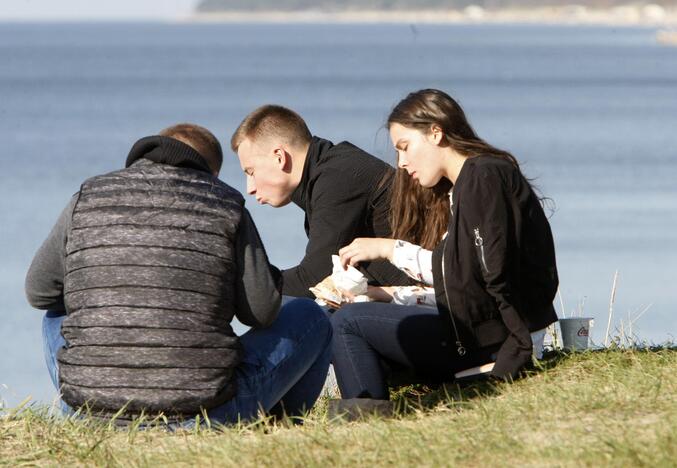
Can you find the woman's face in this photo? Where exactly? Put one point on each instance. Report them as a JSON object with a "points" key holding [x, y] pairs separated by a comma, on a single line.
{"points": [[418, 153]]}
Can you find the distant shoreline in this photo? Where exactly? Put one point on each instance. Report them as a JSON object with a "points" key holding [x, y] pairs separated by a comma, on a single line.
{"points": [[650, 15]]}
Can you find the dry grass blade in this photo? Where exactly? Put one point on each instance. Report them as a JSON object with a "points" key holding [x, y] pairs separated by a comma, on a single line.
{"points": [[561, 303], [612, 299]]}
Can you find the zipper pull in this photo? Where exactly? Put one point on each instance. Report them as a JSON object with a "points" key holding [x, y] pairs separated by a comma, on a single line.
{"points": [[451, 203], [478, 238], [479, 242], [460, 349]]}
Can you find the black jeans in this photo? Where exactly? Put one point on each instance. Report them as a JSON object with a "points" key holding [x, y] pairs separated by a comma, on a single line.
{"points": [[368, 334]]}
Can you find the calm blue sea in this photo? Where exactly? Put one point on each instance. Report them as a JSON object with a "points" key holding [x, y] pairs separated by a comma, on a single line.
{"points": [[591, 113]]}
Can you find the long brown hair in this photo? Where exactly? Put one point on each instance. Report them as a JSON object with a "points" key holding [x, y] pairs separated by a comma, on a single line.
{"points": [[417, 214]]}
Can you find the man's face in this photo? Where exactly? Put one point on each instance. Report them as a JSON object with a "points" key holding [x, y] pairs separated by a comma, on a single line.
{"points": [[267, 169]]}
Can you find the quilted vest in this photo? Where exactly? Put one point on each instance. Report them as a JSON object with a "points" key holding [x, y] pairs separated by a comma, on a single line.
{"points": [[149, 292]]}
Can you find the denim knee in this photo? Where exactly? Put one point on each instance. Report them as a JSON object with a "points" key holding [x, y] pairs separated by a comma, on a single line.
{"points": [[344, 318], [305, 310]]}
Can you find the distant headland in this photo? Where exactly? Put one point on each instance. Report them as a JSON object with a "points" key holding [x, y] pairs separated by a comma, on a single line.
{"points": [[615, 12]]}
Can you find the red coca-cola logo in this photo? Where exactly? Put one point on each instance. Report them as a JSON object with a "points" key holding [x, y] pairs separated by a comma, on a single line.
{"points": [[582, 332]]}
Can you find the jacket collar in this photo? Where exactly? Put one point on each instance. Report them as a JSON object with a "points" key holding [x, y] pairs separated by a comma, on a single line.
{"points": [[316, 151], [166, 150]]}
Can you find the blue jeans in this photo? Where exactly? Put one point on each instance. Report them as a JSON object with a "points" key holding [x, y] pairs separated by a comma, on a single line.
{"points": [[284, 365]]}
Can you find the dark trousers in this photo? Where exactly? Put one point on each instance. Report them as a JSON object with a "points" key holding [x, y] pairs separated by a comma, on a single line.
{"points": [[367, 335]]}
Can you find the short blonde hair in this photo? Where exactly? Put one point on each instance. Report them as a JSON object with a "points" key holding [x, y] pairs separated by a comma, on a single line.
{"points": [[200, 139], [272, 120]]}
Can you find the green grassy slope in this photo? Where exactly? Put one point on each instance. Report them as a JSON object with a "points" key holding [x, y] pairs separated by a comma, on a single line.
{"points": [[605, 408]]}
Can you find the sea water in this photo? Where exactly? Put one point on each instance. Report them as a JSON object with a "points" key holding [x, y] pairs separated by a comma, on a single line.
{"points": [[590, 112]]}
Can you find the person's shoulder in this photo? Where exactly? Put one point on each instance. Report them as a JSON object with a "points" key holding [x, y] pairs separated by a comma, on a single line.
{"points": [[487, 174], [352, 167], [493, 167], [349, 159], [493, 163], [209, 182], [228, 191], [347, 148], [102, 177]]}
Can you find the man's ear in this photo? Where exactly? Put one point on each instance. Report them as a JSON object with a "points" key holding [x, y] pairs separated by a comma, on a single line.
{"points": [[282, 159]]}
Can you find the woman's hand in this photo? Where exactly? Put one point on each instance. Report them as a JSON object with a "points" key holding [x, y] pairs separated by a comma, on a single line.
{"points": [[380, 293], [375, 293], [366, 248]]}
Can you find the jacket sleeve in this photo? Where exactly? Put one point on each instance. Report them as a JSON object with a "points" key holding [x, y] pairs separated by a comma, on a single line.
{"points": [[257, 282], [45, 277], [490, 224], [337, 215]]}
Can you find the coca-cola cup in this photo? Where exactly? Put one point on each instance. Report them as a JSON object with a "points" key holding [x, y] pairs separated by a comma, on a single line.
{"points": [[576, 332]]}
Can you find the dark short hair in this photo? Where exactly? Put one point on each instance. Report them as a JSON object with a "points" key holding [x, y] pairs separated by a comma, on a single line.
{"points": [[200, 139], [272, 120]]}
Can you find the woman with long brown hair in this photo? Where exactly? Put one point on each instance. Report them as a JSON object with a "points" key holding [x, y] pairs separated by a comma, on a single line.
{"points": [[418, 219], [493, 273]]}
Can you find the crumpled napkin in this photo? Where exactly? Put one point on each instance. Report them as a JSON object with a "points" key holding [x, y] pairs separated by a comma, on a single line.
{"points": [[331, 290], [349, 280]]}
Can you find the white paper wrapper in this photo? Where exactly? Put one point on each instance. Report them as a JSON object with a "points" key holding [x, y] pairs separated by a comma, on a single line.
{"points": [[361, 298], [350, 280], [332, 290]]}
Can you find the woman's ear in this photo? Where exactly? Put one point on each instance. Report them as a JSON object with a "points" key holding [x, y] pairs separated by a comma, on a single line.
{"points": [[436, 134]]}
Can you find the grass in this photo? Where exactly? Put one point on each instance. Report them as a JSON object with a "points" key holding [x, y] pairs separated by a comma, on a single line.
{"points": [[613, 407]]}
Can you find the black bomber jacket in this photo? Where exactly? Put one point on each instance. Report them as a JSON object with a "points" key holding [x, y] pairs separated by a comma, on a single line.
{"points": [[495, 275]]}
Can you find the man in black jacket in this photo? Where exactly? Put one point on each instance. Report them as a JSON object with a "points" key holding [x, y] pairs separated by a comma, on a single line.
{"points": [[142, 276], [343, 191]]}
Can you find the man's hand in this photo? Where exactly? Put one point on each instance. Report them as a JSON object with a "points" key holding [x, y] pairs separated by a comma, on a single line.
{"points": [[366, 249]]}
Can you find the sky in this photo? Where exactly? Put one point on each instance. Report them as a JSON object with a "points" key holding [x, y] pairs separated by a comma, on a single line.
{"points": [[58, 10]]}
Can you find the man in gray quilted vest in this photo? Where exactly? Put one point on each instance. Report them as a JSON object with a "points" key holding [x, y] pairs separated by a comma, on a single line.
{"points": [[142, 275]]}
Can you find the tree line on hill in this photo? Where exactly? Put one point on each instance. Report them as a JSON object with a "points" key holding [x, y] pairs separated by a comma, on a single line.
{"points": [[207, 6]]}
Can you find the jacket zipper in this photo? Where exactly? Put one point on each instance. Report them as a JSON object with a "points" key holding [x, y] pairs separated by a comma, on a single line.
{"points": [[479, 242], [459, 346]]}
